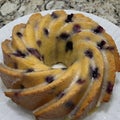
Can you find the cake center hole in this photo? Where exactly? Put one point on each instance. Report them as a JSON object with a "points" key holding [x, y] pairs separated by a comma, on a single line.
{"points": [[59, 65]]}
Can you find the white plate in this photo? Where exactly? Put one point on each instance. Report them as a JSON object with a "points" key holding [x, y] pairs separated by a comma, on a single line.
{"points": [[108, 111]]}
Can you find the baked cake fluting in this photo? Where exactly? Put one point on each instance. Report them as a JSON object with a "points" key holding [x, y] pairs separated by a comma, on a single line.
{"points": [[82, 45]]}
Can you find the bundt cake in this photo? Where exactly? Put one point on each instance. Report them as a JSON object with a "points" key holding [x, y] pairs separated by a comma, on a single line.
{"points": [[70, 92]]}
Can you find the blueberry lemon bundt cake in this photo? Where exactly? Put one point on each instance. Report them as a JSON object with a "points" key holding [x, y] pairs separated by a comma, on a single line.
{"points": [[89, 54]]}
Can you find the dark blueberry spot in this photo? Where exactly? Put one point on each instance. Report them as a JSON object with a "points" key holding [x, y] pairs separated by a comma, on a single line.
{"points": [[19, 54], [49, 79], [69, 105], [95, 72], [42, 57], [80, 81], [29, 70], [46, 32], [54, 15], [19, 34], [64, 68], [35, 52], [109, 87], [89, 53], [110, 48], [64, 36], [69, 46], [8, 56], [38, 43], [22, 86], [61, 95], [16, 94], [99, 29], [101, 44], [76, 28], [69, 18], [15, 65]]}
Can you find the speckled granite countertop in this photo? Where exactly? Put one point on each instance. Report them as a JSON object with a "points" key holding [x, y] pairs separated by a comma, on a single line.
{"points": [[12, 9]]}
